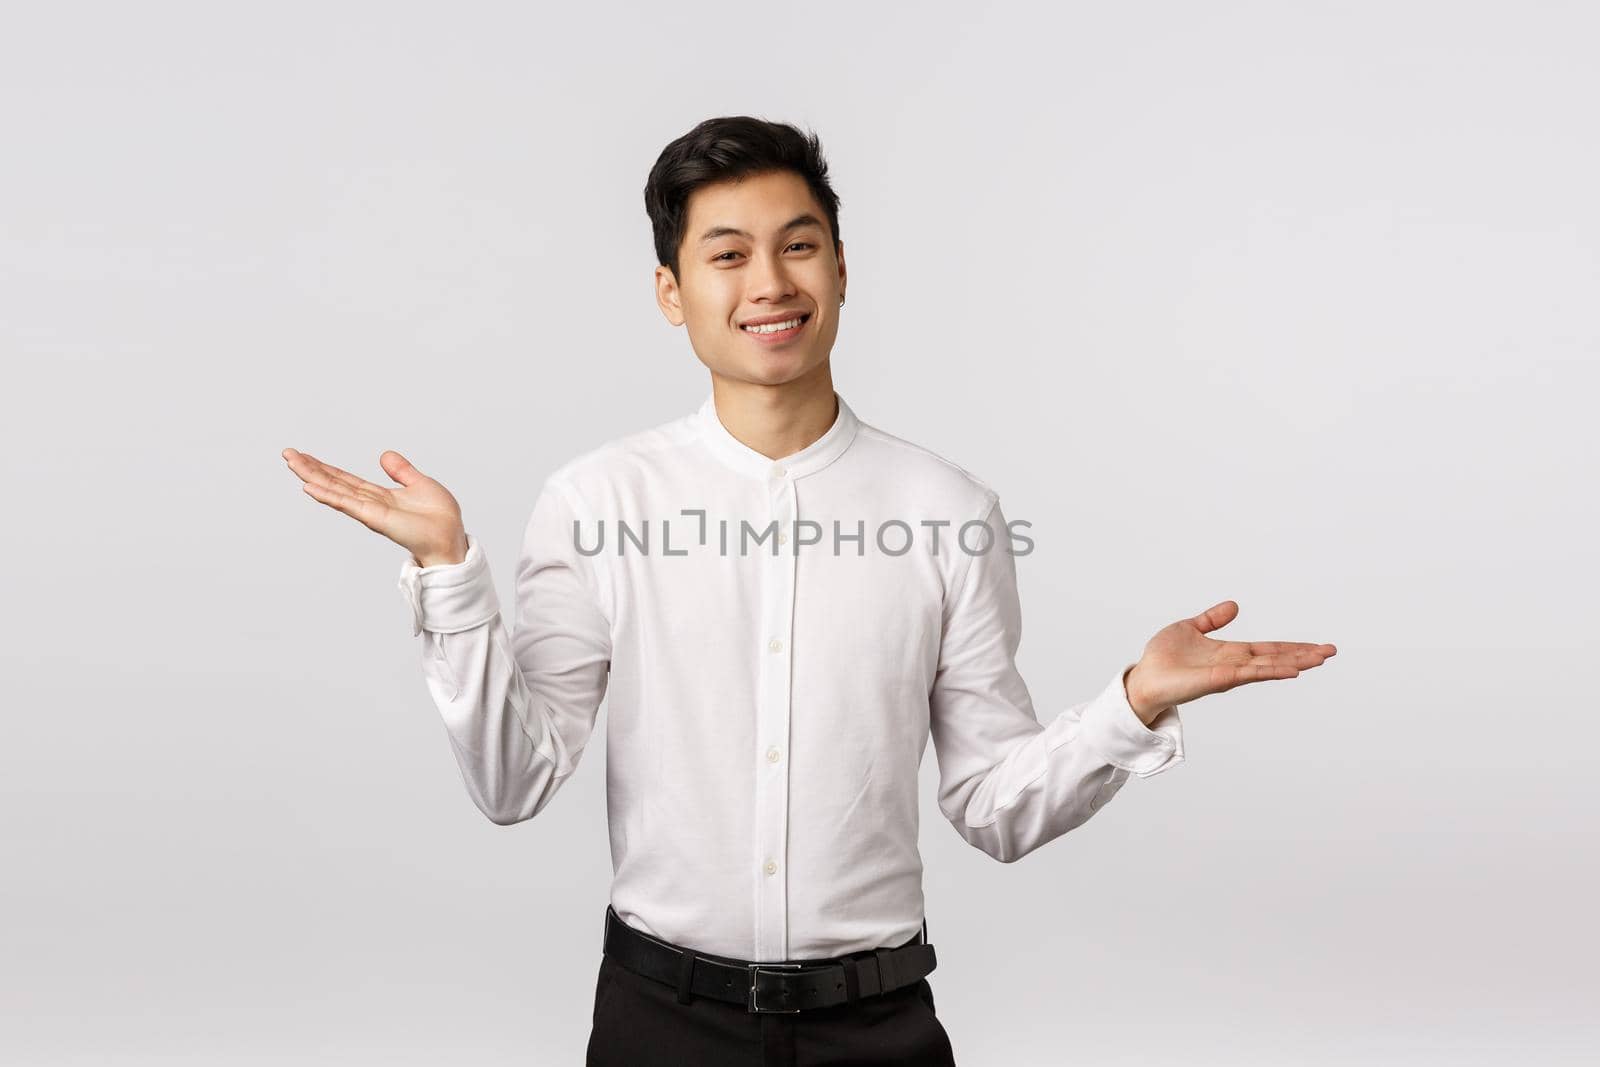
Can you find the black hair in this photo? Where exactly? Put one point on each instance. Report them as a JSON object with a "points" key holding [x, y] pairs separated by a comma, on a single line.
{"points": [[724, 149]]}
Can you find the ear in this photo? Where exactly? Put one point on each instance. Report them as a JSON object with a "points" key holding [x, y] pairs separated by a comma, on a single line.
{"points": [[838, 252], [668, 298]]}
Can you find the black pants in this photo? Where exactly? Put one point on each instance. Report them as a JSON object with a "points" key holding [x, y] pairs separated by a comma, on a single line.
{"points": [[638, 1022]]}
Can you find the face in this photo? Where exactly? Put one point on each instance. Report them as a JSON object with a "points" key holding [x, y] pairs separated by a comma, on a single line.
{"points": [[756, 249]]}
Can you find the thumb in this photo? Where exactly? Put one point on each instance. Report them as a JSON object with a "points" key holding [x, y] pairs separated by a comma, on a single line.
{"points": [[399, 468], [1216, 616]]}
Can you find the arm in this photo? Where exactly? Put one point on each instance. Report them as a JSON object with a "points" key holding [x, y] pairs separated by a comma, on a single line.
{"points": [[519, 706], [1006, 783]]}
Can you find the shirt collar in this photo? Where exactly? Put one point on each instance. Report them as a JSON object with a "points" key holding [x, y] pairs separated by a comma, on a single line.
{"points": [[810, 459]]}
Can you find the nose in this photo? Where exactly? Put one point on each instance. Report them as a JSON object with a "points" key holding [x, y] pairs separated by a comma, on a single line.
{"points": [[769, 279]]}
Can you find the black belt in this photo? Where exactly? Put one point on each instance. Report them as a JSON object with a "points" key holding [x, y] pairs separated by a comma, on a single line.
{"points": [[789, 986]]}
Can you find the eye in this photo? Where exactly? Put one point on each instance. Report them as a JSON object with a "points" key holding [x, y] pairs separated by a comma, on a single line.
{"points": [[722, 258]]}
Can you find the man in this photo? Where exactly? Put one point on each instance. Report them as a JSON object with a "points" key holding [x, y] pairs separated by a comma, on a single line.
{"points": [[784, 603]]}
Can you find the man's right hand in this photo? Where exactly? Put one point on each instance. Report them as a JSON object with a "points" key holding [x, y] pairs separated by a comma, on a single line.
{"points": [[421, 516]]}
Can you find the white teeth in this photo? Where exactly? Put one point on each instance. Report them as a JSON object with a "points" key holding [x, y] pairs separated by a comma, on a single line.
{"points": [[773, 327]]}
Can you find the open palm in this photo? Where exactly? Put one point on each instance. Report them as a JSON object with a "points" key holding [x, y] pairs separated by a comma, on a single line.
{"points": [[1180, 663], [421, 515]]}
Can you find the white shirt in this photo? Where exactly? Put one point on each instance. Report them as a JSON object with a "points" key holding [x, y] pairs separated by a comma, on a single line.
{"points": [[770, 700]]}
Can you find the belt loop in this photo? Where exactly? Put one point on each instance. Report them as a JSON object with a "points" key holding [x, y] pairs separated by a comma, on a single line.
{"points": [[852, 984], [685, 977], [885, 969]]}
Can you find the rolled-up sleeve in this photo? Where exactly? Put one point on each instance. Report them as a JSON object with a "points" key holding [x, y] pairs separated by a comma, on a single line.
{"points": [[1007, 783], [448, 598]]}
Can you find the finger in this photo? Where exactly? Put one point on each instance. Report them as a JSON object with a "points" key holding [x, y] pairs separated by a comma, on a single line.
{"points": [[399, 468], [1216, 616], [1269, 648], [303, 466], [1302, 659], [311, 474], [1243, 675], [360, 508], [344, 478], [333, 476]]}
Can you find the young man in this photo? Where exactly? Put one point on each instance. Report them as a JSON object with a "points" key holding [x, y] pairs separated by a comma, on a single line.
{"points": [[784, 603]]}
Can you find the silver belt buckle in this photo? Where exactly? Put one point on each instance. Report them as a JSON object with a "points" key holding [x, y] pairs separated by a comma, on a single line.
{"points": [[754, 969]]}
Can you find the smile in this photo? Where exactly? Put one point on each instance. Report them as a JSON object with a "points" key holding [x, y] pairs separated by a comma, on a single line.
{"points": [[777, 331]]}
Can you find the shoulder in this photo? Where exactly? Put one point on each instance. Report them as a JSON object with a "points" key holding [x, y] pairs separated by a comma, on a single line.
{"points": [[588, 474], [932, 476]]}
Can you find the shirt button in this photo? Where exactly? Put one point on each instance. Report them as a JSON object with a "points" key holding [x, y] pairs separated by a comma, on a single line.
{"points": [[772, 755], [770, 867], [777, 470], [775, 645], [783, 538]]}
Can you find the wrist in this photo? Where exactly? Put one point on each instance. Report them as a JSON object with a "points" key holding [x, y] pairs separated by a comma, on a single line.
{"points": [[456, 553], [1142, 707]]}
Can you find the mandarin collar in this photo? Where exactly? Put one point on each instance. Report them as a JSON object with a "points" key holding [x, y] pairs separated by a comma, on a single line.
{"points": [[810, 459]]}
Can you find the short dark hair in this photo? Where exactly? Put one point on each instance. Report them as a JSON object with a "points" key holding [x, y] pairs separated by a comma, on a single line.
{"points": [[724, 149]]}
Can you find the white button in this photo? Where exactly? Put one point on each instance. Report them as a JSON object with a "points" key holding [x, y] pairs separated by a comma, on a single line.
{"points": [[772, 755], [777, 470], [775, 645], [770, 867], [783, 538]]}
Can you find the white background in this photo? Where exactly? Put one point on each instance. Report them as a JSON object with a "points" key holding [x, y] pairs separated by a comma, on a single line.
{"points": [[1290, 304]]}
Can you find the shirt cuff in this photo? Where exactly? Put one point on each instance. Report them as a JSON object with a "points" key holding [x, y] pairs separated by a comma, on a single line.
{"points": [[448, 598], [1111, 727]]}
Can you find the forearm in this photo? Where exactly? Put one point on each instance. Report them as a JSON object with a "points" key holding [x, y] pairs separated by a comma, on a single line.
{"points": [[1044, 787], [1051, 779], [511, 757]]}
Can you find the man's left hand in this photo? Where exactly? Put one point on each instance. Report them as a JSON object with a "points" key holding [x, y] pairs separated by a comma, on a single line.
{"points": [[1181, 663]]}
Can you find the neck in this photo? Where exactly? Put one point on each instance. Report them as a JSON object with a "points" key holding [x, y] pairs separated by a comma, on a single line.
{"points": [[776, 420]]}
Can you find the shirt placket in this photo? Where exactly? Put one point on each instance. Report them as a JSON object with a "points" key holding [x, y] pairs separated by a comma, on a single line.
{"points": [[772, 727]]}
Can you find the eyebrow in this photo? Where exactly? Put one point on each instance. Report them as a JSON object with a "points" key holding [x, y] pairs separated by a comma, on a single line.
{"points": [[729, 231]]}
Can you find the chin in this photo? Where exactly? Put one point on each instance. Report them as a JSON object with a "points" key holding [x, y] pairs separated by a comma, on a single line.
{"points": [[785, 374], [777, 370]]}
